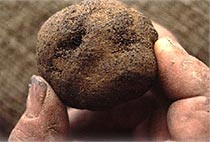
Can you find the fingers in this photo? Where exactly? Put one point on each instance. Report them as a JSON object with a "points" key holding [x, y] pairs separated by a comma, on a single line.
{"points": [[158, 125], [189, 119], [163, 32], [181, 75], [154, 127], [117, 123], [45, 117], [90, 125], [142, 131], [132, 113]]}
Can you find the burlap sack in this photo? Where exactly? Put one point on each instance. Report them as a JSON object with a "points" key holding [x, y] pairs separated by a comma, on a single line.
{"points": [[21, 20]]}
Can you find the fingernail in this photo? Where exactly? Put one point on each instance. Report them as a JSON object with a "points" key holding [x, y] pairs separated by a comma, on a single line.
{"points": [[174, 43], [36, 96], [167, 45], [171, 42], [162, 45]]}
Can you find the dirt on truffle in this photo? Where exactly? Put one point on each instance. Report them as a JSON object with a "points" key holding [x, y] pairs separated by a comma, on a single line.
{"points": [[97, 54]]}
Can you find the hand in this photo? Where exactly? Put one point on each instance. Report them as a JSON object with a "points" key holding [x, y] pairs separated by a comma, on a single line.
{"points": [[177, 108], [45, 117]]}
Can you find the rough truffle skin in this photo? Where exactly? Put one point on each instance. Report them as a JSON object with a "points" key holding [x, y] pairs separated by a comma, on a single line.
{"points": [[97, 54]]}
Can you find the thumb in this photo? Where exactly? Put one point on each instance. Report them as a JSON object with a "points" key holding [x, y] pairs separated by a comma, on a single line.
{"points": [[45, 117], [180, 74]]}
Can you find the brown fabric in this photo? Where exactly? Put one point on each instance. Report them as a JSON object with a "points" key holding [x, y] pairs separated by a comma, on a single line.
{"points": [[21, 20]]}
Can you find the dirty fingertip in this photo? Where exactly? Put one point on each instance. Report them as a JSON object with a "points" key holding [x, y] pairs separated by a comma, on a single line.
{"points": [[167, 45], [36, 96], [162, 44]]}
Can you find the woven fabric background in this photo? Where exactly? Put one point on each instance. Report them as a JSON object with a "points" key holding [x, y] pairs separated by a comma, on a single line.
{"points": [[20, 21]]}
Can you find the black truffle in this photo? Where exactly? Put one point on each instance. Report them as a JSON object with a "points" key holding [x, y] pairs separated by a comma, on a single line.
{"points": [[97, 54]]}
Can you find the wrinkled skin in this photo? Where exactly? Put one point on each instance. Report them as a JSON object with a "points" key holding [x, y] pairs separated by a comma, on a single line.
{"points": [[177, 108]]}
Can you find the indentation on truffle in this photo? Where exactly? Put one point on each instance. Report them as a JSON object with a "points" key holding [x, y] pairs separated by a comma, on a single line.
{"points": [[72, 41]]}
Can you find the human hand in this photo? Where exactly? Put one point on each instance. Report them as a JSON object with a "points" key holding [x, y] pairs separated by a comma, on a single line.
{"points": [[186, 81], [45, 117], [177, 108]]}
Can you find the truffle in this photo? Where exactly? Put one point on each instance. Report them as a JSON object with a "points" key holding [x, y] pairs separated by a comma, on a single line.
{"points": [[97, 54]]}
